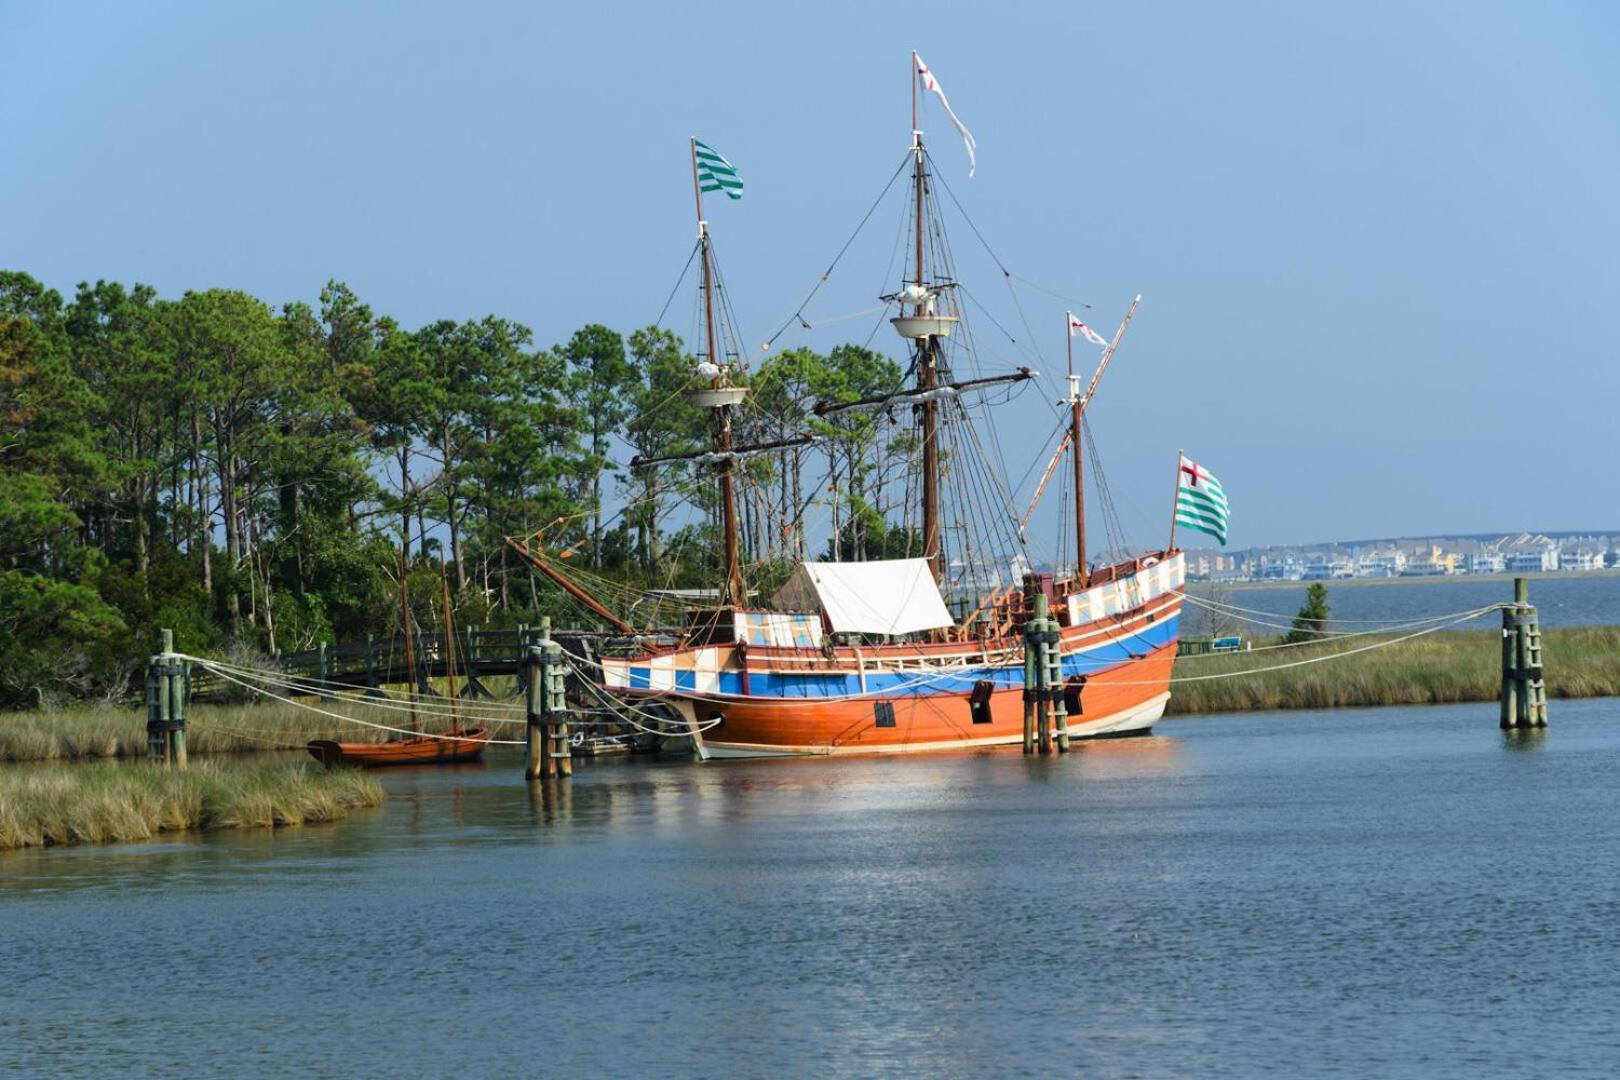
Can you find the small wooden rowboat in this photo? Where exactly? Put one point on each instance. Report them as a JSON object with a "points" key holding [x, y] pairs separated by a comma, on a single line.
{"points": [[413, 750]]}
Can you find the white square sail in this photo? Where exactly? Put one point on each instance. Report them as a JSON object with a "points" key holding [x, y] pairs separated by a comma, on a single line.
{"points": [[887, 596]]}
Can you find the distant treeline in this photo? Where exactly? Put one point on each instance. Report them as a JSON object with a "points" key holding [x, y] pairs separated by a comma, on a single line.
{"points": [[247, 475]]}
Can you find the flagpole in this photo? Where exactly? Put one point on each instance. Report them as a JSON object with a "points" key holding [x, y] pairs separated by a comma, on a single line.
{"points": [[1175, 500], [912, 73], [697, 189]]}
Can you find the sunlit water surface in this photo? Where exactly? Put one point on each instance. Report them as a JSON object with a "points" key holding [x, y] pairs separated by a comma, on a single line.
{"points": [[1363, 892]]}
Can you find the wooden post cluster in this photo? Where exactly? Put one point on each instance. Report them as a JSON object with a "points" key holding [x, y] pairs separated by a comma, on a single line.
{"points": [[1052, 683], [168, 684], [1524, 690], [546, 741], [1045, 712]]}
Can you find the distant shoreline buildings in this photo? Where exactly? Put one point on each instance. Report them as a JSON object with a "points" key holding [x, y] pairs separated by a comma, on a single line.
{"points": [[1525, 553]]}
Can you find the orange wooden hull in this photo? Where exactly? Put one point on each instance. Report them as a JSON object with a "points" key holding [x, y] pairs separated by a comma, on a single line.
{"points": [[759, 695], [1125, 700], [414, 750]]}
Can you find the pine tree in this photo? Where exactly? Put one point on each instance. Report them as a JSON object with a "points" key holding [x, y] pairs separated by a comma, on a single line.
{"points": [[1311, 622]]}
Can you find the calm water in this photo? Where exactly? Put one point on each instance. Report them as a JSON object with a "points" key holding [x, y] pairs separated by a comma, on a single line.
{"points": [[1582, 601], [1367, 892]]}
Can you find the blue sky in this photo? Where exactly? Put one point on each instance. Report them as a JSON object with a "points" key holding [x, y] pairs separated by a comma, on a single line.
{"points": [[1378, 245]]}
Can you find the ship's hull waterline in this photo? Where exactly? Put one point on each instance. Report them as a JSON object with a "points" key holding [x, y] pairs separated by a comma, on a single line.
{"points": [[772, 701], [922, 725]]}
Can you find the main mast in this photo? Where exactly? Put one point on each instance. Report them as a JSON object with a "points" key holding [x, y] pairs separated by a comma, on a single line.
{"points": [[926, 352], [722, 403]]}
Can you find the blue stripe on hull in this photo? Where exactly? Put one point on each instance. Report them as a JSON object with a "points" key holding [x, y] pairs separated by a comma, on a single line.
{"points": [[957, 681]]}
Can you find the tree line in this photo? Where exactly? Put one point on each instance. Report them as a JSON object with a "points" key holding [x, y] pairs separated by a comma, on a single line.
{"points": [[257, 477]]}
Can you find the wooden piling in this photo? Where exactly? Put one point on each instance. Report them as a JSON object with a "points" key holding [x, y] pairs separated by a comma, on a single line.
{"points": [[1524, 687], [1031, 665], [556, 694], [1510, 648], [168, 684], [154, 725], [177, 714], [165, 703], [1043, 691], [1031, 677], [1053, 646], [536, 754], [554, 699]]}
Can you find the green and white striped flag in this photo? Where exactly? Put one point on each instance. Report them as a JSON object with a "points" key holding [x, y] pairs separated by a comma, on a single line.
{"points": [[1200, 502], [715, 173]]}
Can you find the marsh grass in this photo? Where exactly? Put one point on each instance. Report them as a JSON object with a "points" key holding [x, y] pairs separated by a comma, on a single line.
{"points": [[104, 802], [85, 733], [1440, 668]]}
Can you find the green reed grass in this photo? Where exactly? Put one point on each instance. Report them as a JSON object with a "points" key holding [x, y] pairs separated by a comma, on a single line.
{"points": [[80, 733], [1436, 669], [104, 802]]}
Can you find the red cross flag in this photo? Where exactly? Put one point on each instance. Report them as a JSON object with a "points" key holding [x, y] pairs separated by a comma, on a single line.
{"points": [[932, 84], [1078, 327]]}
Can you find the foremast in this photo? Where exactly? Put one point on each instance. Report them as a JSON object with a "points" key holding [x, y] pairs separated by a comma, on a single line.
{"points": [[721, 399]]}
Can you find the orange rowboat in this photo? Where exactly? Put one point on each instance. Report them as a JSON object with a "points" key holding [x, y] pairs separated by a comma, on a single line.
{"points": [[414, 750]]}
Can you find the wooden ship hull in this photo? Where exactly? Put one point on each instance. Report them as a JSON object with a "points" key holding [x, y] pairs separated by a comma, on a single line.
{"points": [[755, 699], [415, 750], [864, 655]]}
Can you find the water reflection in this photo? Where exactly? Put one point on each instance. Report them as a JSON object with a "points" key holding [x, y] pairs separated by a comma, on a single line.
{"points": [[1245, 892], [1524, 738]]}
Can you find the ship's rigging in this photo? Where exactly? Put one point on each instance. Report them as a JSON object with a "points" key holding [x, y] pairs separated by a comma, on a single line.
{"points": [[915, 438]]}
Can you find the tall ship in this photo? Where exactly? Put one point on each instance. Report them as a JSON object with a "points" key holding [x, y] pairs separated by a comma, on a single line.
{"points": [[924, 652]]}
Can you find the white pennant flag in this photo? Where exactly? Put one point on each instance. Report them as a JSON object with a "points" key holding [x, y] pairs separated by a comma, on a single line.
{"points": [[931, 83], [1078, 327]]}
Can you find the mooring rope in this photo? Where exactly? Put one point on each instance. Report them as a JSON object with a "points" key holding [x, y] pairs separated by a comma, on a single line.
{"points": [[1320, 638], [625, 711], [1225, 606], [341, 716], [491, 711], [1324, 634], [619, 709], [1313, 659]]}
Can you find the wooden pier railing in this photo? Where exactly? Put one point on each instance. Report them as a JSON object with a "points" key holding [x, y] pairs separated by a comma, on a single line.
{"points": [[375, 663]]}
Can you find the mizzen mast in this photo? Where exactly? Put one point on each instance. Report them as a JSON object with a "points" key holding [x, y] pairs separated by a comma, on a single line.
{"points": [[1079, 460]]}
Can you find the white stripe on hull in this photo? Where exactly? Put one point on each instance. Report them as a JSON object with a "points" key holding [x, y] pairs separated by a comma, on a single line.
{"points": [[1138, 718]]}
